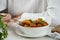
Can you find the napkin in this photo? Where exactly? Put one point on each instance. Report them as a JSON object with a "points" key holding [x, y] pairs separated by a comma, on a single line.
{"points": [[54, 35]]}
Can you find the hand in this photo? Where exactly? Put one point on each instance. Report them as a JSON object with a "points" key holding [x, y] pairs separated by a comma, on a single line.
{"points": [[6, 18]]}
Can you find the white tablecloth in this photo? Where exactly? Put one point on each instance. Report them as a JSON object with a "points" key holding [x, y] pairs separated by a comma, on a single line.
{"points": [[13, 36]]}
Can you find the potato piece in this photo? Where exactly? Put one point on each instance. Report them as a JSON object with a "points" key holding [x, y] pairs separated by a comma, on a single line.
{"points": [[26, 25], [27, 21], [39, 25], [22, 24], [33, 25], [45, 24]]}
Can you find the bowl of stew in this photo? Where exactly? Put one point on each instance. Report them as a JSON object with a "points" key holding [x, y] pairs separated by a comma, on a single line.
{"points": [[34, 25], [39, 22]]}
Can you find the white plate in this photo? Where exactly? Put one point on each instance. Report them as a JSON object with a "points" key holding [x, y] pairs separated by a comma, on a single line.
{"points": [[25, 35], [20, 33]]}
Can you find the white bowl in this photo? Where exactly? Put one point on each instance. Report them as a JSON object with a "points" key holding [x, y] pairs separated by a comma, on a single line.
{"points": [[35, 31]]}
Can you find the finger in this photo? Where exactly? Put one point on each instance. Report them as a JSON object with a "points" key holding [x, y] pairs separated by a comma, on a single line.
{"points": [[2, 14], [8, 23], [6, 20], [16, 18], [7, 17]]}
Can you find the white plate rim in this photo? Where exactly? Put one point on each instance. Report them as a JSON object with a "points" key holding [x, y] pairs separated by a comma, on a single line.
{"points": [[24, 35]]}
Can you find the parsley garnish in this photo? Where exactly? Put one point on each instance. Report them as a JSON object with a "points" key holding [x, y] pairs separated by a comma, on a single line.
{"points": [[4, 32]]}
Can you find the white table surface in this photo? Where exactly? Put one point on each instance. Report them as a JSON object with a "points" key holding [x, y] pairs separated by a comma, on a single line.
{"points": [[13, 36]]}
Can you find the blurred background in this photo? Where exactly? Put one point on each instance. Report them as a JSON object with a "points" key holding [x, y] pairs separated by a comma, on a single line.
{"points": [[4, 6]]}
